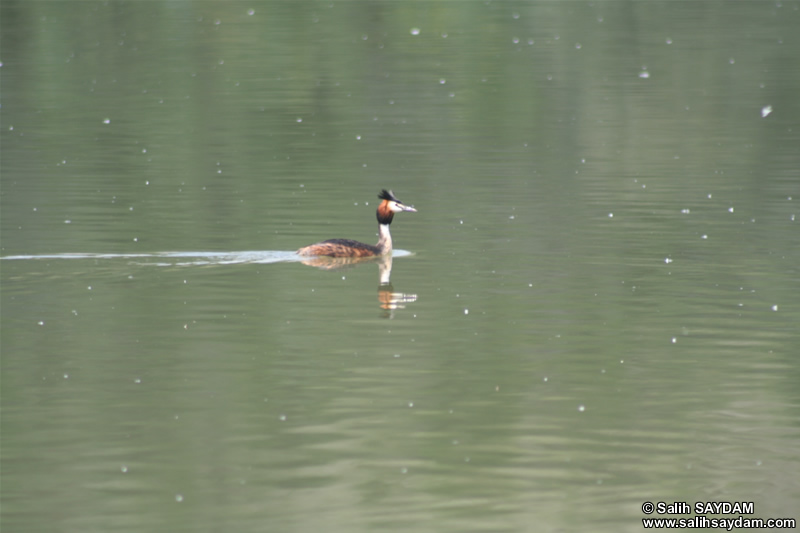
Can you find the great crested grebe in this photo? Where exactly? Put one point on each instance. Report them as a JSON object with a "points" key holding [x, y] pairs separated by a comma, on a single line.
{"points": [[350, 248]]}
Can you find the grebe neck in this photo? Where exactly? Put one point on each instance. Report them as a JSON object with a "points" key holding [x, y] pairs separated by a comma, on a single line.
{"points": [[385, 239]]}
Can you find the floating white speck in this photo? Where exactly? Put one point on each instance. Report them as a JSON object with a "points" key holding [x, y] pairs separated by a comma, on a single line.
{"points": [[669, 41], [611, 215], [644, 74], [668, 260], [415, 31], [774, 307], [442, 81], [704, 236], [107, 121], [765, 111], [251, 12], [124, 469], [411, 404], [686, 211], [674, 340], [466, 311], [730, 210], [282, 418], [179, 498], [581, 408], [41, 322], [358, 137]]}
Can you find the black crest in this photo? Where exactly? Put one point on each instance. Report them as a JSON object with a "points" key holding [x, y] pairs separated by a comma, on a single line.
{"points": [[388, 195]]}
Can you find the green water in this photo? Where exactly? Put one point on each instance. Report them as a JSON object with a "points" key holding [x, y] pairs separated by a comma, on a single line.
{"points": [[597, 303]]}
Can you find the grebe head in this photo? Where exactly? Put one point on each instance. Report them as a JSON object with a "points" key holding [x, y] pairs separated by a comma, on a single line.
{"points": [[389, 206]]}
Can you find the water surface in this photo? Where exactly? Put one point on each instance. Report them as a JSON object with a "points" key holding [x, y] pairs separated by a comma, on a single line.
{"points": [[596, 304]]}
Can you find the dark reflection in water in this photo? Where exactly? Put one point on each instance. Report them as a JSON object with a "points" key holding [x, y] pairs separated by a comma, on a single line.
{"points": [[389, 299]]}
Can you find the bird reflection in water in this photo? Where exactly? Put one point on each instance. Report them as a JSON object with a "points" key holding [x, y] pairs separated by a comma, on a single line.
{"points": [[388, 299]]}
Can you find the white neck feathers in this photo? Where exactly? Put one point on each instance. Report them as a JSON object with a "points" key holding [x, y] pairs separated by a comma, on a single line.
{"points": [[384, 239]]}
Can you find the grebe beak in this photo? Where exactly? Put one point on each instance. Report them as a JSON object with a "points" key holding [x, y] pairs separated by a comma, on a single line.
{"points": [[396, 206]]}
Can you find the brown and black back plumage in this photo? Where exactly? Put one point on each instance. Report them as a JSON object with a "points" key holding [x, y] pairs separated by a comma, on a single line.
{"points": [[350, 248], [340, 248]]}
